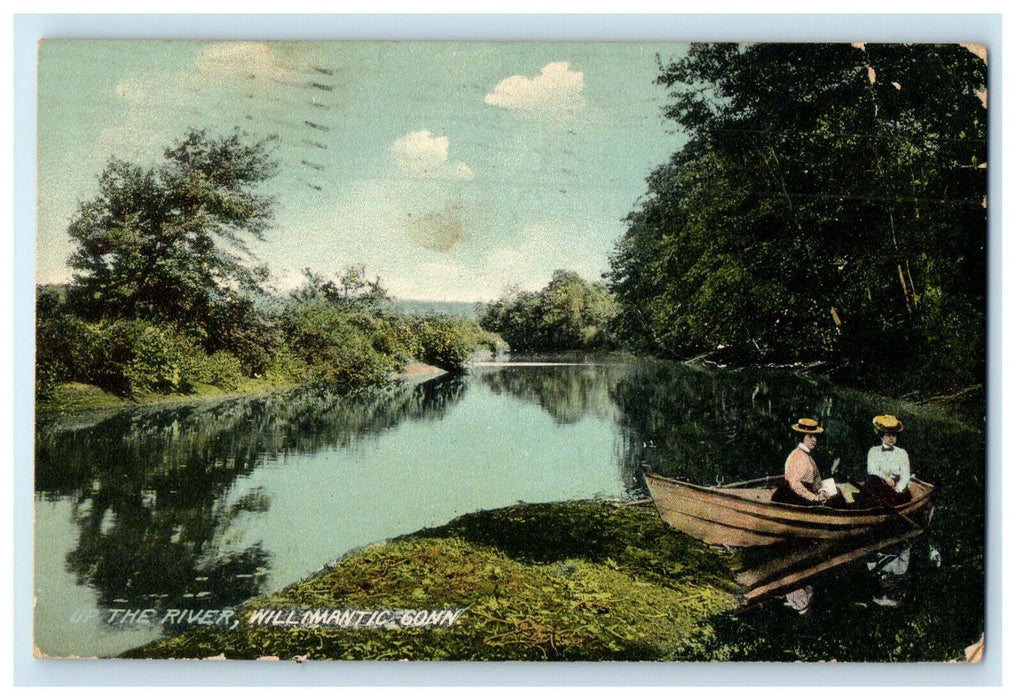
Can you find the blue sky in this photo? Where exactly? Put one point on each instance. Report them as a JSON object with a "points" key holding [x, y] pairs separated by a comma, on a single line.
{"points": [[450, 170]]}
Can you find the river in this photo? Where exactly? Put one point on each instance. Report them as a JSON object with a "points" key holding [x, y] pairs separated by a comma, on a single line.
{"points": [[200, 507]]}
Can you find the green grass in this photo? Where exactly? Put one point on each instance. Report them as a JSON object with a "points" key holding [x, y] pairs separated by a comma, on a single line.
{"points": [[571, 581], [73, 397]]}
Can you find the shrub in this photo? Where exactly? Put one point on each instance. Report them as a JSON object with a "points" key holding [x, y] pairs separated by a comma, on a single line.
{"points": [[448, 341], [221, 369], [339, 345], [124, 357]]}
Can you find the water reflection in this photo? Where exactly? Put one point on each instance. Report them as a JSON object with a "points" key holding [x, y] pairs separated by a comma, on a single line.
{"points": [[891, 568], [713, 427], [789, 570], [191, 506], [567, 393], [150, 489], [887, 588]]}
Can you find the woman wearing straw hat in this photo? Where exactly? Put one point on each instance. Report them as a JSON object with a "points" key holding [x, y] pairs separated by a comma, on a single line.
{"points": [[888, 474], [802, 485]]}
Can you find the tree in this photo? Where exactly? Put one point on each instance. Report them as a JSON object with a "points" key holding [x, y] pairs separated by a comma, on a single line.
{"points": [[569, 313], [830, 202], [171, 242], [353, 290]]}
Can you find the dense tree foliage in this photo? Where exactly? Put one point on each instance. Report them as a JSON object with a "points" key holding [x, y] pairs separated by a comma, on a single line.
{"points": [[830, 203], [315, 335], [567, 314], [167, 297], [170, 243]]}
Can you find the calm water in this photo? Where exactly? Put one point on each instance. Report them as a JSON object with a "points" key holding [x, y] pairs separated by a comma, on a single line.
{"points": [[201, 507]]}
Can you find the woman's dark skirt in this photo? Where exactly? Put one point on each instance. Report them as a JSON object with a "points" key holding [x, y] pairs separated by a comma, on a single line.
{"points": [[785, 494], [877, 493]]}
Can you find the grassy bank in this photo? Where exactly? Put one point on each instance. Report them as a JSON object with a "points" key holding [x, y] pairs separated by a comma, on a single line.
{"points": [[570, 581], [74, 397]]}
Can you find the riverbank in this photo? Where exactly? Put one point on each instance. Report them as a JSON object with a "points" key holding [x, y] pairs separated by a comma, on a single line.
{"points": [[75, 398], [579, 581]]}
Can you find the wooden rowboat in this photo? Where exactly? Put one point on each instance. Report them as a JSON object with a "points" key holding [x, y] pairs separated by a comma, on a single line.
{"points": [[742, 514]]}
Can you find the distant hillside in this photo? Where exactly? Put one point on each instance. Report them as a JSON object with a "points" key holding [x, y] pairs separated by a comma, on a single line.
{"points": [[416, 307]]}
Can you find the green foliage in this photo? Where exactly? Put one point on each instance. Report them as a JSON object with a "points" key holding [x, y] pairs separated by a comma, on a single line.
{"points": [[221, 369], [143, 357], [236, 326], [829, 203], [346, 330], [133, 357], [353, 290], [63, 344], [169, 243], [561, 598], [337, 345], [568, 314], [127, 357], [448, 342], [164, 293], [340, 331], [166, 296]]}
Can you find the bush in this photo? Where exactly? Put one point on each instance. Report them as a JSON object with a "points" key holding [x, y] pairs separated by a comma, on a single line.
{"points": [[236, 326], [64, 345], [146, 356], [448, 342], [568, 314], [339, 345], [124, 357], [221, 369]]}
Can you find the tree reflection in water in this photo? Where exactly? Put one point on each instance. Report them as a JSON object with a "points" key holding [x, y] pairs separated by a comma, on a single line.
{"points": [[567, 393], [150, 488], [711, 426]]}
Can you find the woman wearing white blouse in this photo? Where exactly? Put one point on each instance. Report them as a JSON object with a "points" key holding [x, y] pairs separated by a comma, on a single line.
{"points": [[887, 465]]}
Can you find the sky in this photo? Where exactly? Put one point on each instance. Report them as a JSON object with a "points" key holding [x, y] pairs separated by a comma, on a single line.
{"points": [[451, 171]]}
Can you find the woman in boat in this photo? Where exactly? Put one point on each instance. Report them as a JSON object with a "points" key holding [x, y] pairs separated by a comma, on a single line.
{"points": [[802, 485], [888, 474]]}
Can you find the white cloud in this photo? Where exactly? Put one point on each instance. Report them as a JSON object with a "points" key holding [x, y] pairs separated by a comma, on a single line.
{"points": [[244, 66], [420, 153], [159, 104], [557, 89], [421, 150]]}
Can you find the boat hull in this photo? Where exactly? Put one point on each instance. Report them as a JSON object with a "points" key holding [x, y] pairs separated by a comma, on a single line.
{"points": [[744, 516]]}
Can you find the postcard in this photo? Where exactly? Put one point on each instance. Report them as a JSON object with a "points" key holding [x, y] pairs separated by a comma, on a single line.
{"points": [[511, 351]]}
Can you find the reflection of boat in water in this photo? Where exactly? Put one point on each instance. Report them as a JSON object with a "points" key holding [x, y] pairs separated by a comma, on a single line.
{"points": [[742, 515], [767, 571]]}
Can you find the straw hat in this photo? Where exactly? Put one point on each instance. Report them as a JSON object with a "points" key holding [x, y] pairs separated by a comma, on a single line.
{"points": [[808, 426], [887, 424]]}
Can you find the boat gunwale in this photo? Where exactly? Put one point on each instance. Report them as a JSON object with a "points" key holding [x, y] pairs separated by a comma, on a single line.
{"points": [[806, 516]]}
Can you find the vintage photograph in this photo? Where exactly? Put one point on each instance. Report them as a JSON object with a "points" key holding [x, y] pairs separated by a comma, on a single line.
{"points": [[511, 351]]}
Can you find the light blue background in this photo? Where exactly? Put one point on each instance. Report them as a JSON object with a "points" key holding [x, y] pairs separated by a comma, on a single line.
{"points": [[28, 29]]}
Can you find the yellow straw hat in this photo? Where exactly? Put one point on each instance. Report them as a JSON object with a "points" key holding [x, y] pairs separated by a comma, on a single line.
{"points": [[887, 424], [808, 426]]}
